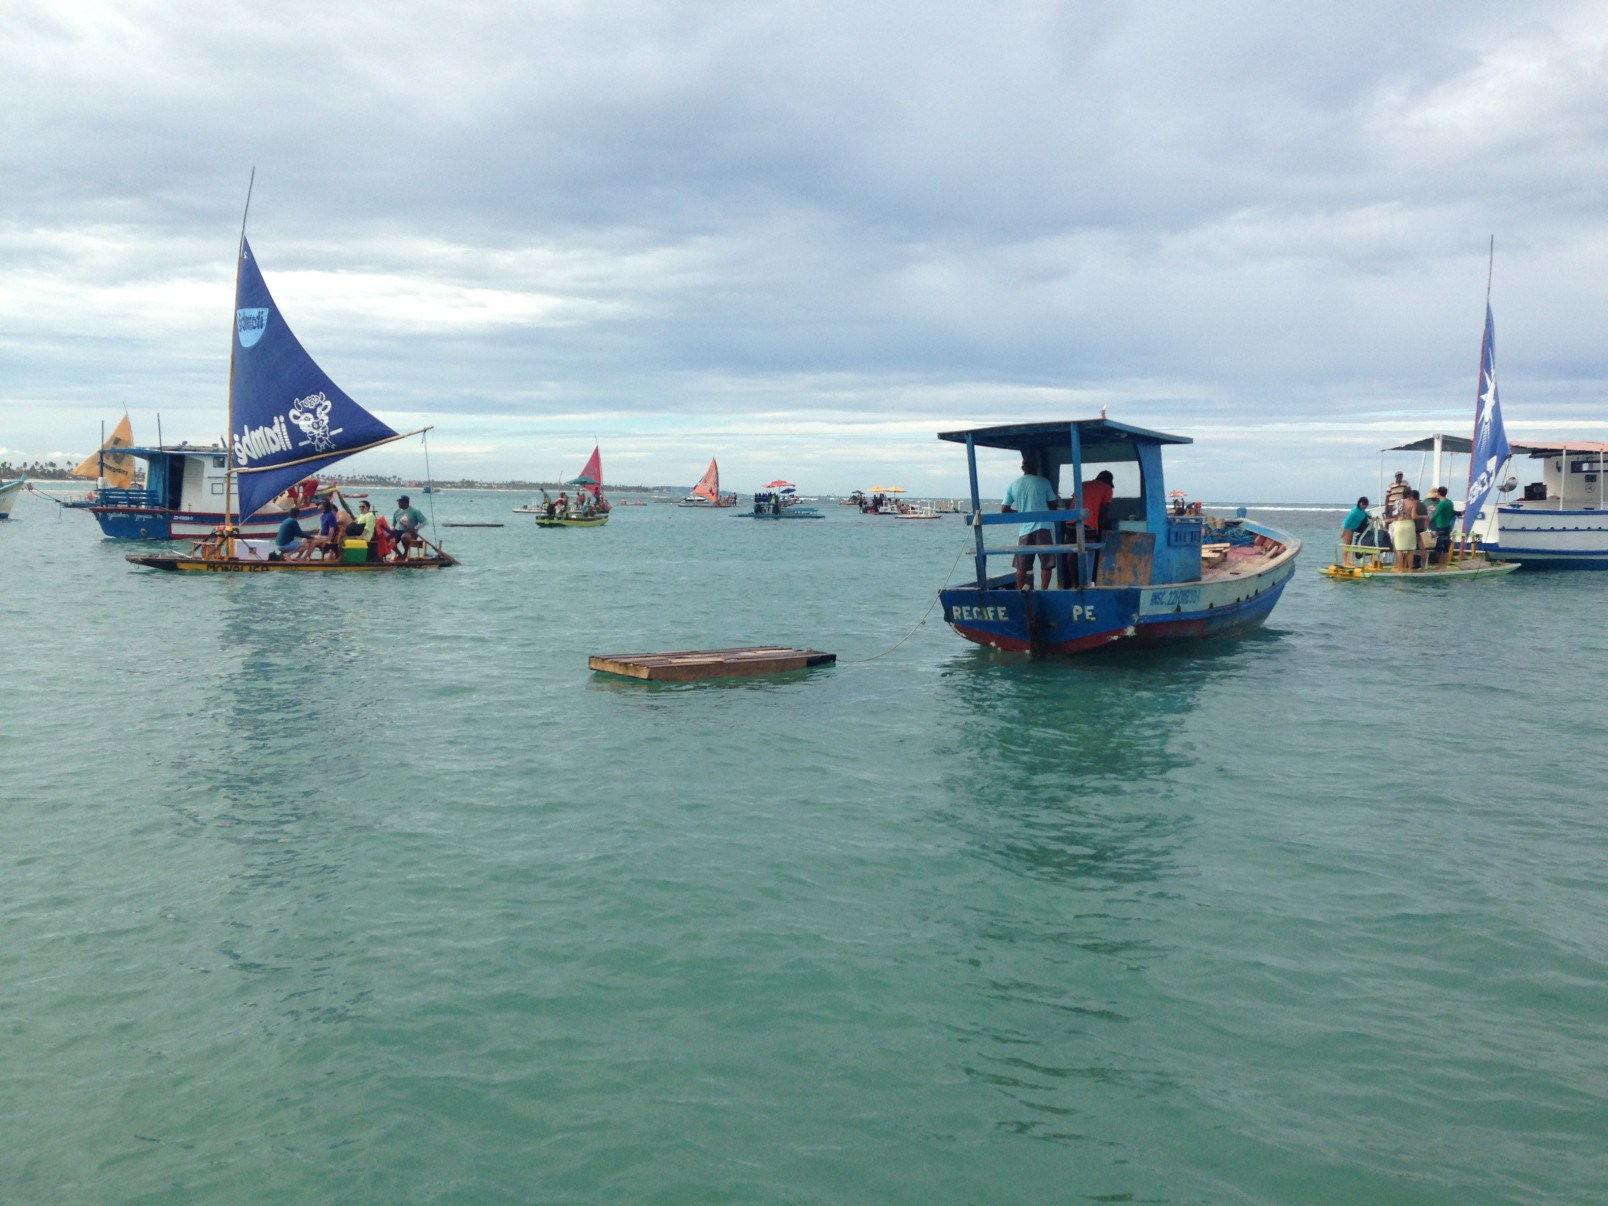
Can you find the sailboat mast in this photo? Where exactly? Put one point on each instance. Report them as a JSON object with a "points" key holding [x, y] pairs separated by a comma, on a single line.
{"points": [[234, 339]]}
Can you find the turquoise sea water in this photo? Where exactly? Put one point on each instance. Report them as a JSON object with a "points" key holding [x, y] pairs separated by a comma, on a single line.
{"points": [[365, 889]]}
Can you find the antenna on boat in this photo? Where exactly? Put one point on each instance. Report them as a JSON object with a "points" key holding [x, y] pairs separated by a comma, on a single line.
{"points": [[234, 331], [1490, 270]]}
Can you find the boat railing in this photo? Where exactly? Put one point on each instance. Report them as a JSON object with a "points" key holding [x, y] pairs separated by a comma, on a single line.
{"points": [[142, 499], [980, 519]]}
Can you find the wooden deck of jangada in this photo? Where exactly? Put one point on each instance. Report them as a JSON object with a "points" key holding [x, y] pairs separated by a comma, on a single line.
{"points": [[691, 665]]}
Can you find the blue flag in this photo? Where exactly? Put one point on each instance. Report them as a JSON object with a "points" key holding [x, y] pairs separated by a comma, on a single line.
{"points": [[290, 420], [1490, 438]]}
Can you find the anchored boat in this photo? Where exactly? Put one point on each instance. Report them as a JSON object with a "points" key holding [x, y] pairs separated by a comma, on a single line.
{"points": [[8, 495], [1148, 577]]}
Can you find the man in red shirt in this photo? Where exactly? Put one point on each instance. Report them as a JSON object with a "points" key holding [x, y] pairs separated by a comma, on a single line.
{"points": [[1097, 492]]}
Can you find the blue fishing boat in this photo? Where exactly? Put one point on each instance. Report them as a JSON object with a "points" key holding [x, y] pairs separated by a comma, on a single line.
{"points": [[1148, 577], [287, 420]]}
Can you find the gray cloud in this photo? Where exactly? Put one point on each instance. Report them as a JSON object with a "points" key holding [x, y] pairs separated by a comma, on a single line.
{"points": [[816, 231]]}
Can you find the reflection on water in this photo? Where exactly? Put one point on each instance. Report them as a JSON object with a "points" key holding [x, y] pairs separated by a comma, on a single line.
{"points": [[1073, 801], [281, 724]]}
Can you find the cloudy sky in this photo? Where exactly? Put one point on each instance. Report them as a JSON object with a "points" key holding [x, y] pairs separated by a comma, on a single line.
{"points": [[806, 236]]}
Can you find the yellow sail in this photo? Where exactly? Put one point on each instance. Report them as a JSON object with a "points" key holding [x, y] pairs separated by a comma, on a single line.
{"points": [[116, 467]]}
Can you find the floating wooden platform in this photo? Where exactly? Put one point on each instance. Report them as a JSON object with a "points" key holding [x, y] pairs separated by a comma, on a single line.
{"points": [[689, 665]]}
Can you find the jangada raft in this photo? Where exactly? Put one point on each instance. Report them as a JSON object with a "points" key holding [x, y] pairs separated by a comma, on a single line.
{"points": [[287, 419], [1151, 577]]}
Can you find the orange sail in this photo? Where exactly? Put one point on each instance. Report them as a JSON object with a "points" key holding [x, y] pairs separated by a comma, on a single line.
{"points": [[709, 484], [116, 467]]}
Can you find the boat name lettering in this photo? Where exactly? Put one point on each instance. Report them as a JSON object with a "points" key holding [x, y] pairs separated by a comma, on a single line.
{"points": [[1187, 596], [258, 442], [981, 613], [1078, 613]]}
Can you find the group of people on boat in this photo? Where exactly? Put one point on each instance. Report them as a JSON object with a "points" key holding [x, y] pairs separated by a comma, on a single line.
{"points": [[1033, 492], [386, 540], [585, 504], [1419, 529]]}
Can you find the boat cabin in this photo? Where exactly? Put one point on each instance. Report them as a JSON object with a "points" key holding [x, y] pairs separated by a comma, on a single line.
{"points": [[1146, 542], [1573, 476]]}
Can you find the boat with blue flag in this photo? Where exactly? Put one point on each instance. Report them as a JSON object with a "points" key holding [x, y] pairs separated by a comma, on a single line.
{"points": [[287, 420], [1126, 571], [1559, 520]]}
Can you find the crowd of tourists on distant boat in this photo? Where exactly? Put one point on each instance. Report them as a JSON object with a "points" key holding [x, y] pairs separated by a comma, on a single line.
{"points": [[382, 539], [1417, 530], [585, 505]]}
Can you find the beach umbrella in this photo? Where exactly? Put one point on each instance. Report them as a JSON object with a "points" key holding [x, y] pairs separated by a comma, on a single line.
{"points": [[887, 489]]}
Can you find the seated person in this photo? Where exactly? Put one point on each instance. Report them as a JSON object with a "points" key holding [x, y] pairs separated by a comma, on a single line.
{"points": [[330, 531], [291, 541], [405, 525], [384, 542]]}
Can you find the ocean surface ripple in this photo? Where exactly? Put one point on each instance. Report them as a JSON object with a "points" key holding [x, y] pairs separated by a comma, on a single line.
{"points": [[366, 889]]}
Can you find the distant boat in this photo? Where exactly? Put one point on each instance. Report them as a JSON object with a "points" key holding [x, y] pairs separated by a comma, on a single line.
{"points": [[9, 492], [588, 509], [771, 504], [287, 420], [112, 465], [707, 492], [1145, 579]]}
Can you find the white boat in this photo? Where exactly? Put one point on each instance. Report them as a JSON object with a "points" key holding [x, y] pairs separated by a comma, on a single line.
{"points": [[9, 491], [1560, 520]]}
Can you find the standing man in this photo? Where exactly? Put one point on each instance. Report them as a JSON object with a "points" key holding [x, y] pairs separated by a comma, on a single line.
{"points": [[1394, 493], [405, 525], [1441, 521], [1097, 494], [1031, 492]]}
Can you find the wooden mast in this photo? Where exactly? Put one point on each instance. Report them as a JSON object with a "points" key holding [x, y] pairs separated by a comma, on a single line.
{"points": [[234, 340]]}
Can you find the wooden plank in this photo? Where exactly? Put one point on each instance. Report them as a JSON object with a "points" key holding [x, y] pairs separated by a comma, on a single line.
{"points": [[691, 665]]}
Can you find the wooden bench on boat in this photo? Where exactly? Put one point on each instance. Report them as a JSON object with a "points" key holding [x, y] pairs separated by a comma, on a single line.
{"points": [[690, 665]]}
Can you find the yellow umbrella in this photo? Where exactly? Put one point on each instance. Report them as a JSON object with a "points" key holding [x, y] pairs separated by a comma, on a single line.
{"points": [[887, 490]]}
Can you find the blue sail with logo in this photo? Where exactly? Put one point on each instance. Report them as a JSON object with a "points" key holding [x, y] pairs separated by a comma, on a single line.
{"points": [[1490, 443], [288, 418]]}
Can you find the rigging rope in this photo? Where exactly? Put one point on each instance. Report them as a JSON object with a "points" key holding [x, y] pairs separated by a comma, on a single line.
{"points": [[860, 661]]}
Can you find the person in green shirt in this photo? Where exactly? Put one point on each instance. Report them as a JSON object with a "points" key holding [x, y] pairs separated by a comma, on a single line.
{"points": [[1442, 519], [405, 525]]}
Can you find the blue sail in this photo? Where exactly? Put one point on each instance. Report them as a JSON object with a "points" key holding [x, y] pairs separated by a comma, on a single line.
{"points": [[289, 419], [1491, 449]]}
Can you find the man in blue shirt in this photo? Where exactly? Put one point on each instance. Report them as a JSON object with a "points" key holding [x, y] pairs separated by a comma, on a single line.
{"points": [[1031, 492], [289, 538]]}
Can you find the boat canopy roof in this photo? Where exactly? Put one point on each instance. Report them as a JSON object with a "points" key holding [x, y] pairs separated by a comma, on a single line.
{"points": [[1559, 448], [1099, 439], [1448, 443], [174, 450]]}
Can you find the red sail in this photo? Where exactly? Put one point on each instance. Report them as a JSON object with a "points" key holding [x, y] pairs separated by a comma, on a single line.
{"points": [[592, 475], [709, 484]]}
